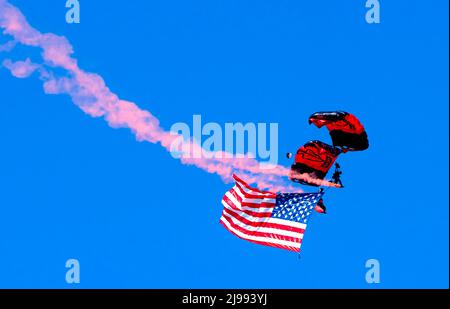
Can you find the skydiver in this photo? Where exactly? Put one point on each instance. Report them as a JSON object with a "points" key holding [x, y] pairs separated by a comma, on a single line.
{"points": [[336, 178]]}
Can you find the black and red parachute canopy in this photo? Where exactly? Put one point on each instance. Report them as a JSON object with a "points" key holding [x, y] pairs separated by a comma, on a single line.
{"points": [[345, 129], [314, 158]]}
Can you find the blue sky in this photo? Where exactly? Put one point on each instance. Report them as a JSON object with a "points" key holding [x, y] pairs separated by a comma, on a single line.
{"points": [[72, 187]]}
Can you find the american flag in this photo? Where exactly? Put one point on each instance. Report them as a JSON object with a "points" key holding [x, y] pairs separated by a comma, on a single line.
{"points": [[266, 218]]}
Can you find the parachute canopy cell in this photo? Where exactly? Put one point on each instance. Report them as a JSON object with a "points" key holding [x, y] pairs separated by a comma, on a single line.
{"points": [[314, 158], [345, 129]]}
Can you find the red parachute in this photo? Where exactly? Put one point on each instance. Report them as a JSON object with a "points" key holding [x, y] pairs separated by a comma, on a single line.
{"points": [[345, 129], [314, 158]]}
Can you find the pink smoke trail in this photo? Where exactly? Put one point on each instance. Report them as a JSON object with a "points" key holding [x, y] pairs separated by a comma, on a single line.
{"points": [[20, 69], [90, 93], [8, 46]]}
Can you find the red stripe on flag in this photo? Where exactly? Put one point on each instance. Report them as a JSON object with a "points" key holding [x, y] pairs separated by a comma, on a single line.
{"points": [[251, 204], [262, 234], [256, 214], [263, 224], [252, 196], [262, 242]]}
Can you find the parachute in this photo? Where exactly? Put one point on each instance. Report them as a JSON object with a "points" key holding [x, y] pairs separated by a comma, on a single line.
{"points": [[314, 158], [345, 129]]}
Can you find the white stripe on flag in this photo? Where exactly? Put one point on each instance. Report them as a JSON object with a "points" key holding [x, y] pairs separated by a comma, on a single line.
{"points": [[239, 205], [253, 200], [272, 230], [260, 238]]}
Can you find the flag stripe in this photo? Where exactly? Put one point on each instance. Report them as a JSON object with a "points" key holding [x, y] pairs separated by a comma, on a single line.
{"points": [[263, 240], [265, 222], [253, 202], [251, 195], [268, 236], [272, 230], [256, 214]]}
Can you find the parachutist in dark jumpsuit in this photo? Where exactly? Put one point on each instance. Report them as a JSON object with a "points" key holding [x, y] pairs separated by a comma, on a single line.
{"points": [[337, 176]]}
